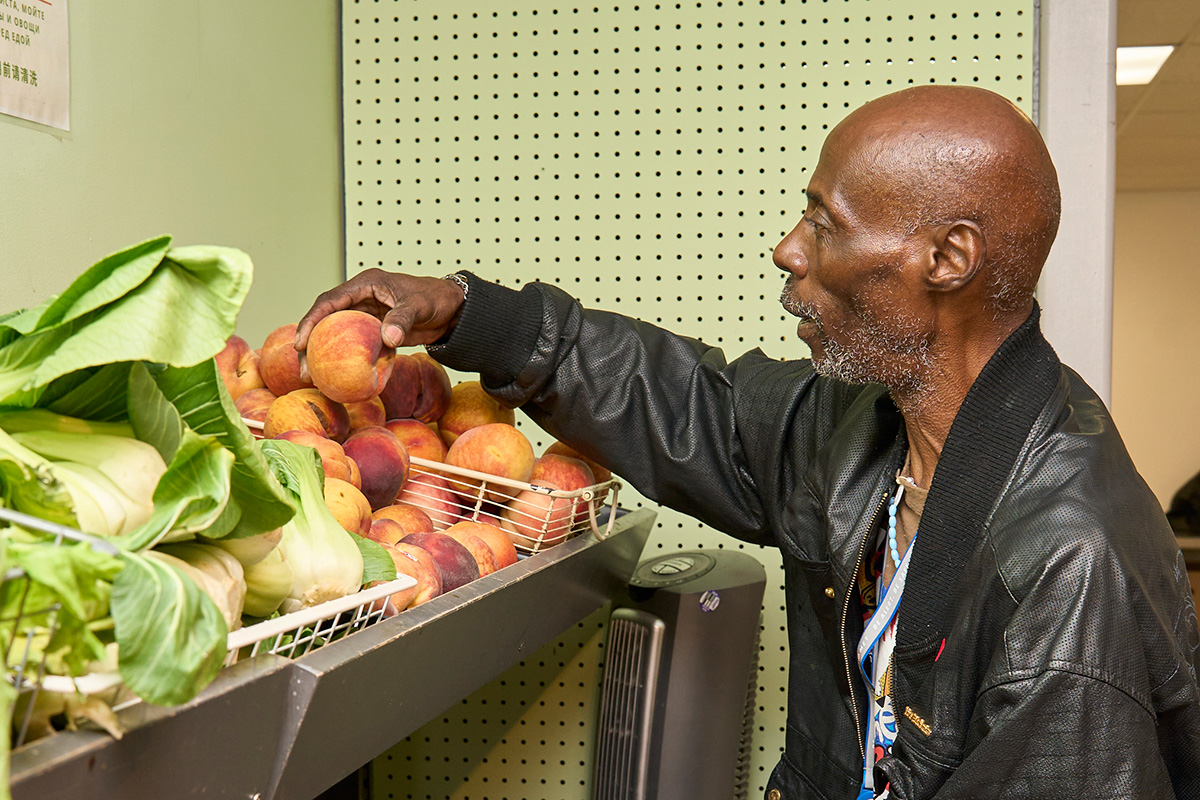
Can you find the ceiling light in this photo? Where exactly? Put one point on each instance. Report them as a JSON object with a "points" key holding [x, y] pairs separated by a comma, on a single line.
{"points": [[1139, 65]]}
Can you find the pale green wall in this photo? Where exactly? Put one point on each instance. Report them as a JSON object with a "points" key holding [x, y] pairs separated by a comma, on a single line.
{"points": [[216, 122], [646, 157]]}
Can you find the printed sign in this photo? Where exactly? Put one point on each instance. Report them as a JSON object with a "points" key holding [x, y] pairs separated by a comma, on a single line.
{"points": [[35, 76]]}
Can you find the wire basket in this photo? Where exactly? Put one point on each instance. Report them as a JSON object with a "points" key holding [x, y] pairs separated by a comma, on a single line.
{"points": [[534, 517], [292, 635], [31, 621]]}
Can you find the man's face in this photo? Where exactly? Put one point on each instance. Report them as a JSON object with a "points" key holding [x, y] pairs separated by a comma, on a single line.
{"points": [[850, 270]]}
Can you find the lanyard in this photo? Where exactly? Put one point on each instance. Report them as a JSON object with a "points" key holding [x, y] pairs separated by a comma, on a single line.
{"points": [[885, 612]]}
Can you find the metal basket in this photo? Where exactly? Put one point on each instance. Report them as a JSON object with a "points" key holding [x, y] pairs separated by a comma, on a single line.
{"points": [[292, 635], [534, 517], [28, 623]]}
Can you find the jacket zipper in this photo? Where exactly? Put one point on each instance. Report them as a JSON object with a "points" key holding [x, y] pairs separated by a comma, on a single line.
{"points": [[862, 551]]}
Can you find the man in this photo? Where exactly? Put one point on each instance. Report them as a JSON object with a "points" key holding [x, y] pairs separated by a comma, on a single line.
{"points": [[933, 449]]}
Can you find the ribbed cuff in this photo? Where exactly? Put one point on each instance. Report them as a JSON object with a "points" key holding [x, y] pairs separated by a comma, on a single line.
{"points": [[496, 331]]}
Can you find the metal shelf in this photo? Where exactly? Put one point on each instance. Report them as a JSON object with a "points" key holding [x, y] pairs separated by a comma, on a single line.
{"points": [[278, 729]]}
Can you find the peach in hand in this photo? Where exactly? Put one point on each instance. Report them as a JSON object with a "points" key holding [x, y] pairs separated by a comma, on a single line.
{"points": [[347, 359]]}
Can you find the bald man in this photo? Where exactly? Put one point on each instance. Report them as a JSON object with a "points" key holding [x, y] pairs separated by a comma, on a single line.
{"points": [[984, 599]]}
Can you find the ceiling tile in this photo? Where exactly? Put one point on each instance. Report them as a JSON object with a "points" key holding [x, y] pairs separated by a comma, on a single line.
{"points": [[1146, 22]]}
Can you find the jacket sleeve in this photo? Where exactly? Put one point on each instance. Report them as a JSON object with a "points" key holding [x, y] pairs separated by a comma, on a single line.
{"points": [[1055, 734], [662, 411]]}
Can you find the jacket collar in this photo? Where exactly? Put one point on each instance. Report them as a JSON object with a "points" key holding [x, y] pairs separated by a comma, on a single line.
{"points": [[982, 448]]}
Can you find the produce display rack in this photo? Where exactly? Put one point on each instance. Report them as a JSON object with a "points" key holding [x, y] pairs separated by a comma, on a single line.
{"points": [[278, 728]]}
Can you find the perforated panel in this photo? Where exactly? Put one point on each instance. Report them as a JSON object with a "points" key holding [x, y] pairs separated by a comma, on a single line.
{"points": [[646, 157]]}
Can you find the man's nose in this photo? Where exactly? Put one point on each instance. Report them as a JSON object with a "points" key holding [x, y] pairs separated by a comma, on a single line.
{"points": [[789, 253]]}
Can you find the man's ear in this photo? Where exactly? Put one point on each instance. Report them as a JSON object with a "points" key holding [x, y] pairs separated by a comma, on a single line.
{"points": [[958, 250]]}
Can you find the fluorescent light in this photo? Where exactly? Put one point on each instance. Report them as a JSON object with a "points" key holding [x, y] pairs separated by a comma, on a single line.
{"points": [[1139, 65]]}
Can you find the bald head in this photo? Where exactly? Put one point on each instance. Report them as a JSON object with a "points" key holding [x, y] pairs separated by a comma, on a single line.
{"points": [[934, 155]]}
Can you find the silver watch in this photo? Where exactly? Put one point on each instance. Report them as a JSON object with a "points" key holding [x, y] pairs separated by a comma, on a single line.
{"points": [[460, 280]]}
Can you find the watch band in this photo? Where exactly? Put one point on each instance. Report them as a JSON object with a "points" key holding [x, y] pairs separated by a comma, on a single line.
{"points": [[461, 282]]}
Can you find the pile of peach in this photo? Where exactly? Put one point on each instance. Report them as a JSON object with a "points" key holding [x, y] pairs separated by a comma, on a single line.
{"points": [[368, 411]]}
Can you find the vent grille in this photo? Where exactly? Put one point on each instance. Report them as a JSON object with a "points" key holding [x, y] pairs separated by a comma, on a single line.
{"points": [[635, 644], [741, 781]]}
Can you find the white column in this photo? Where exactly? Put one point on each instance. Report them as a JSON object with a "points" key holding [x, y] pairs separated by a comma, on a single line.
{"points": [[1076, 111]]}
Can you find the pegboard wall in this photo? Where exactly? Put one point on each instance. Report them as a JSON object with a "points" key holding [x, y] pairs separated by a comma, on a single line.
{"points": [[646, 157]]}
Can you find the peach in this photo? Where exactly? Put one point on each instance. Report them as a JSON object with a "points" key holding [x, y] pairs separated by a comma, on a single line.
{"points": [[535, 520], [237, 364], [366, 414], [435, 389], [279, 364], [600, 473], [355, 473], [382, 461], [347, 358], [496, 448], [333, 457], [386, 531], [470, 406], [399, 394], [307, 410], [503, 550], [253, 405], [348, 505], [410, 517], [433, 495], [455, 563], [568, 474], [403, 599], [419, 438], [485, 559], [429, 577]]}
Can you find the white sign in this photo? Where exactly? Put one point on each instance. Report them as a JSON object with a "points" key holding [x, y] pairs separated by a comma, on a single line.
{"points": [[35, 74]]}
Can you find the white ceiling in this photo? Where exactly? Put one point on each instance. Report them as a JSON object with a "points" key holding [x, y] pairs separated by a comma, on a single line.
{"points": [[1158, 125]]}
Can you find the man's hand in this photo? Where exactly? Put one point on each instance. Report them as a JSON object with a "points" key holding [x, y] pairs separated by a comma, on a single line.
{"points": [[414, 310]]}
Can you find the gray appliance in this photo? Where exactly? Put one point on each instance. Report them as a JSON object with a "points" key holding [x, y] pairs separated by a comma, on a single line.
{"points": [[680, 671]]}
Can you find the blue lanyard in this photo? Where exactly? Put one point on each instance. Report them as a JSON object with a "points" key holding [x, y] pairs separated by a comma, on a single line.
{"points": [[885, 612]]}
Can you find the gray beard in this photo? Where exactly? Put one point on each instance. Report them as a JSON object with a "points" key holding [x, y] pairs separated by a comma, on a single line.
{"points": [[896, 355]]}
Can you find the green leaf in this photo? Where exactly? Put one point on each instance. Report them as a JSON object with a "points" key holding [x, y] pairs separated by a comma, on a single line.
{"points": [[154, 418], [180, 313], [190, 495], [27, 485], [377, 564], [97, 393], [172, 636], [204, 405], [104, 282]]}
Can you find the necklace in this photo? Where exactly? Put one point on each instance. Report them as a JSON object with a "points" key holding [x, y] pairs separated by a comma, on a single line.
{"points": [[892, 506]]}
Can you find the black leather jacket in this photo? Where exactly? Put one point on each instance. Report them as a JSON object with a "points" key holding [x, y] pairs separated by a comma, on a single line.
{"points": [[1047, 638]]}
